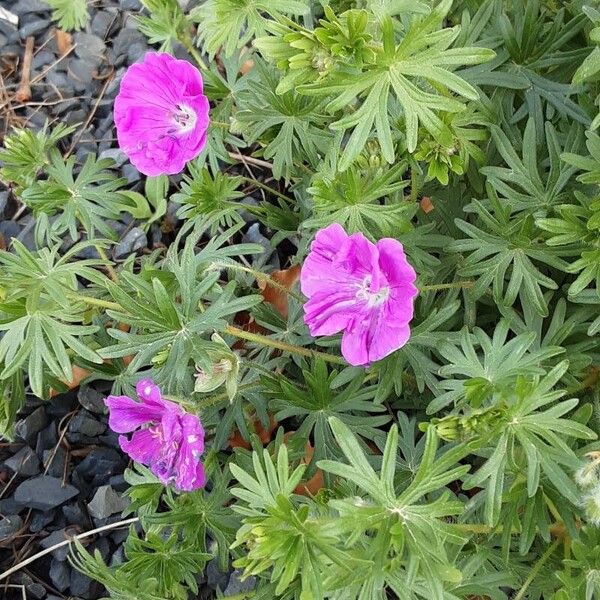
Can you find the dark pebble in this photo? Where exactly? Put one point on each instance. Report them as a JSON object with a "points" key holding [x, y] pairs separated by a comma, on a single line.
{"points": [[131, 173], [60, 574], [28, 428], [75, 515], [75, 117], [61, 405], [116, 155], [237, 586], [130, 5], [41, 59], [56, 537], [22, 7], [135, 239], [88, 45], [100, 465], [83, 423], [55, 461], [82, 70], [9, 506], [47, 438], [215, 577], [44, 492], [9, 230], [122, 42], [101, 23], [10, 525], [40, 519], [92, 400], [106, 502], [33, 28], [25, 462], [84, 587]]}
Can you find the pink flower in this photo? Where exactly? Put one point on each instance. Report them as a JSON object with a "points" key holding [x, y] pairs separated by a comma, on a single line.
{"points": [[166, 438], [363, 289], [161, 114]]}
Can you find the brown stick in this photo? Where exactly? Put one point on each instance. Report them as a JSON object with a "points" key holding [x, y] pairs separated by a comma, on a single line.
{"points": [[23, 93]]}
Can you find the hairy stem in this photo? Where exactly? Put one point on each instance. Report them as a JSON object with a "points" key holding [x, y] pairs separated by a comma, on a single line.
{"points": [[536, 569], [264, 340]]}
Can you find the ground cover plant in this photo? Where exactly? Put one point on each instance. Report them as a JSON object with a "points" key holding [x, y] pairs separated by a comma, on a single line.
{"points": [[390, 388]]}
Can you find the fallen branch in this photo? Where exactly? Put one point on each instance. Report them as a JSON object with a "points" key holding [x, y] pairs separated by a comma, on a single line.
{"points": [[23, 93]]}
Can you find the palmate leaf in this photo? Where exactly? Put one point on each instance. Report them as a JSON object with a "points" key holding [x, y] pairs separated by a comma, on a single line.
{"points": [[533, 436], [41, 315], [498, 364], [317, 400], [88, 199], [520, 184], [424, 54], [69, 14], [166, 24], [400, 522], [507, 249], [170, 326], [289, 125], [231, 24]]}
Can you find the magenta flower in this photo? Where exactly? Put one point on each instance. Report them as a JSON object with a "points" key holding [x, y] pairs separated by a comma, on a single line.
{"points": [[161, 114], [166, 438], [365, 290]]}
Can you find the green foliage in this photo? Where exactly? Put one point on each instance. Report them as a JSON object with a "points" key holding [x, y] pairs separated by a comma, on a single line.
{"points": [[463, 465], [69, 14]]}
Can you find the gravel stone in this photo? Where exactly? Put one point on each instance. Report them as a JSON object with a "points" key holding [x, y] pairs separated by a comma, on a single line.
{"points": [[75, 515], [28, 428], [33, 28], [55, 538], [118, 156], [44, 492], [131, 173], [84, 587], [100, 465], [92, 400], [40, 519], [134, 240], [106, 502], [237, 586], [88, 45], [55, 461], [60, 574], [41, 59], [123, 41], [82, 69], [130, 5], [101, 23], [215, 577], [9, 525], [9, 506], [23, 7], [83, 423], [25, 462], [47, 438]]}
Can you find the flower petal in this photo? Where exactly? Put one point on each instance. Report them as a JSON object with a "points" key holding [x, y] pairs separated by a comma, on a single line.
{"points": [[125, 414], [143, 447]]}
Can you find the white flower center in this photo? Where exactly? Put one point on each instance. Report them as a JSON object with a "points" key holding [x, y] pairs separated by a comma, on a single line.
{"points": [[148, 390], [371, 298], [185, 118]]}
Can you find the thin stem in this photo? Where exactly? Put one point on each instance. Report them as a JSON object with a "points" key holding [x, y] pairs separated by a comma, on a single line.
{"points": [[102, 254], [95, 301], [263, 340], [68, 541], [447, 286], [414, 185], [268, 188], [536, 569], [211, 400], [187, 42], [261, 277]]}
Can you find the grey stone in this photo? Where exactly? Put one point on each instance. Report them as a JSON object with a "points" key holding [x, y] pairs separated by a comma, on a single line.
{"points": [[75, 515], [10, 525], [124, 39], [44, 492], [92, 400], [88, 45], [106, 502], [118, 483], [47, 438], [28, 427], [23, 7], [75, 117], [136, 51], [3, 201], [9, 506], [3, 40], [83, 423], [100, 465], [40, 519], [59, 80], [60, 574], [237, 586], [27, 235], [118, 156], [131, 173], [82, 70], [25, 462], [215, 577], [55, 461], [56, 537], [33, 28], [130, 5], [118, 558], [42, 58], [9, 230], [101, 23], [61, 405], [134, 240], [82, 586], [35, 591], [68, 104]]}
